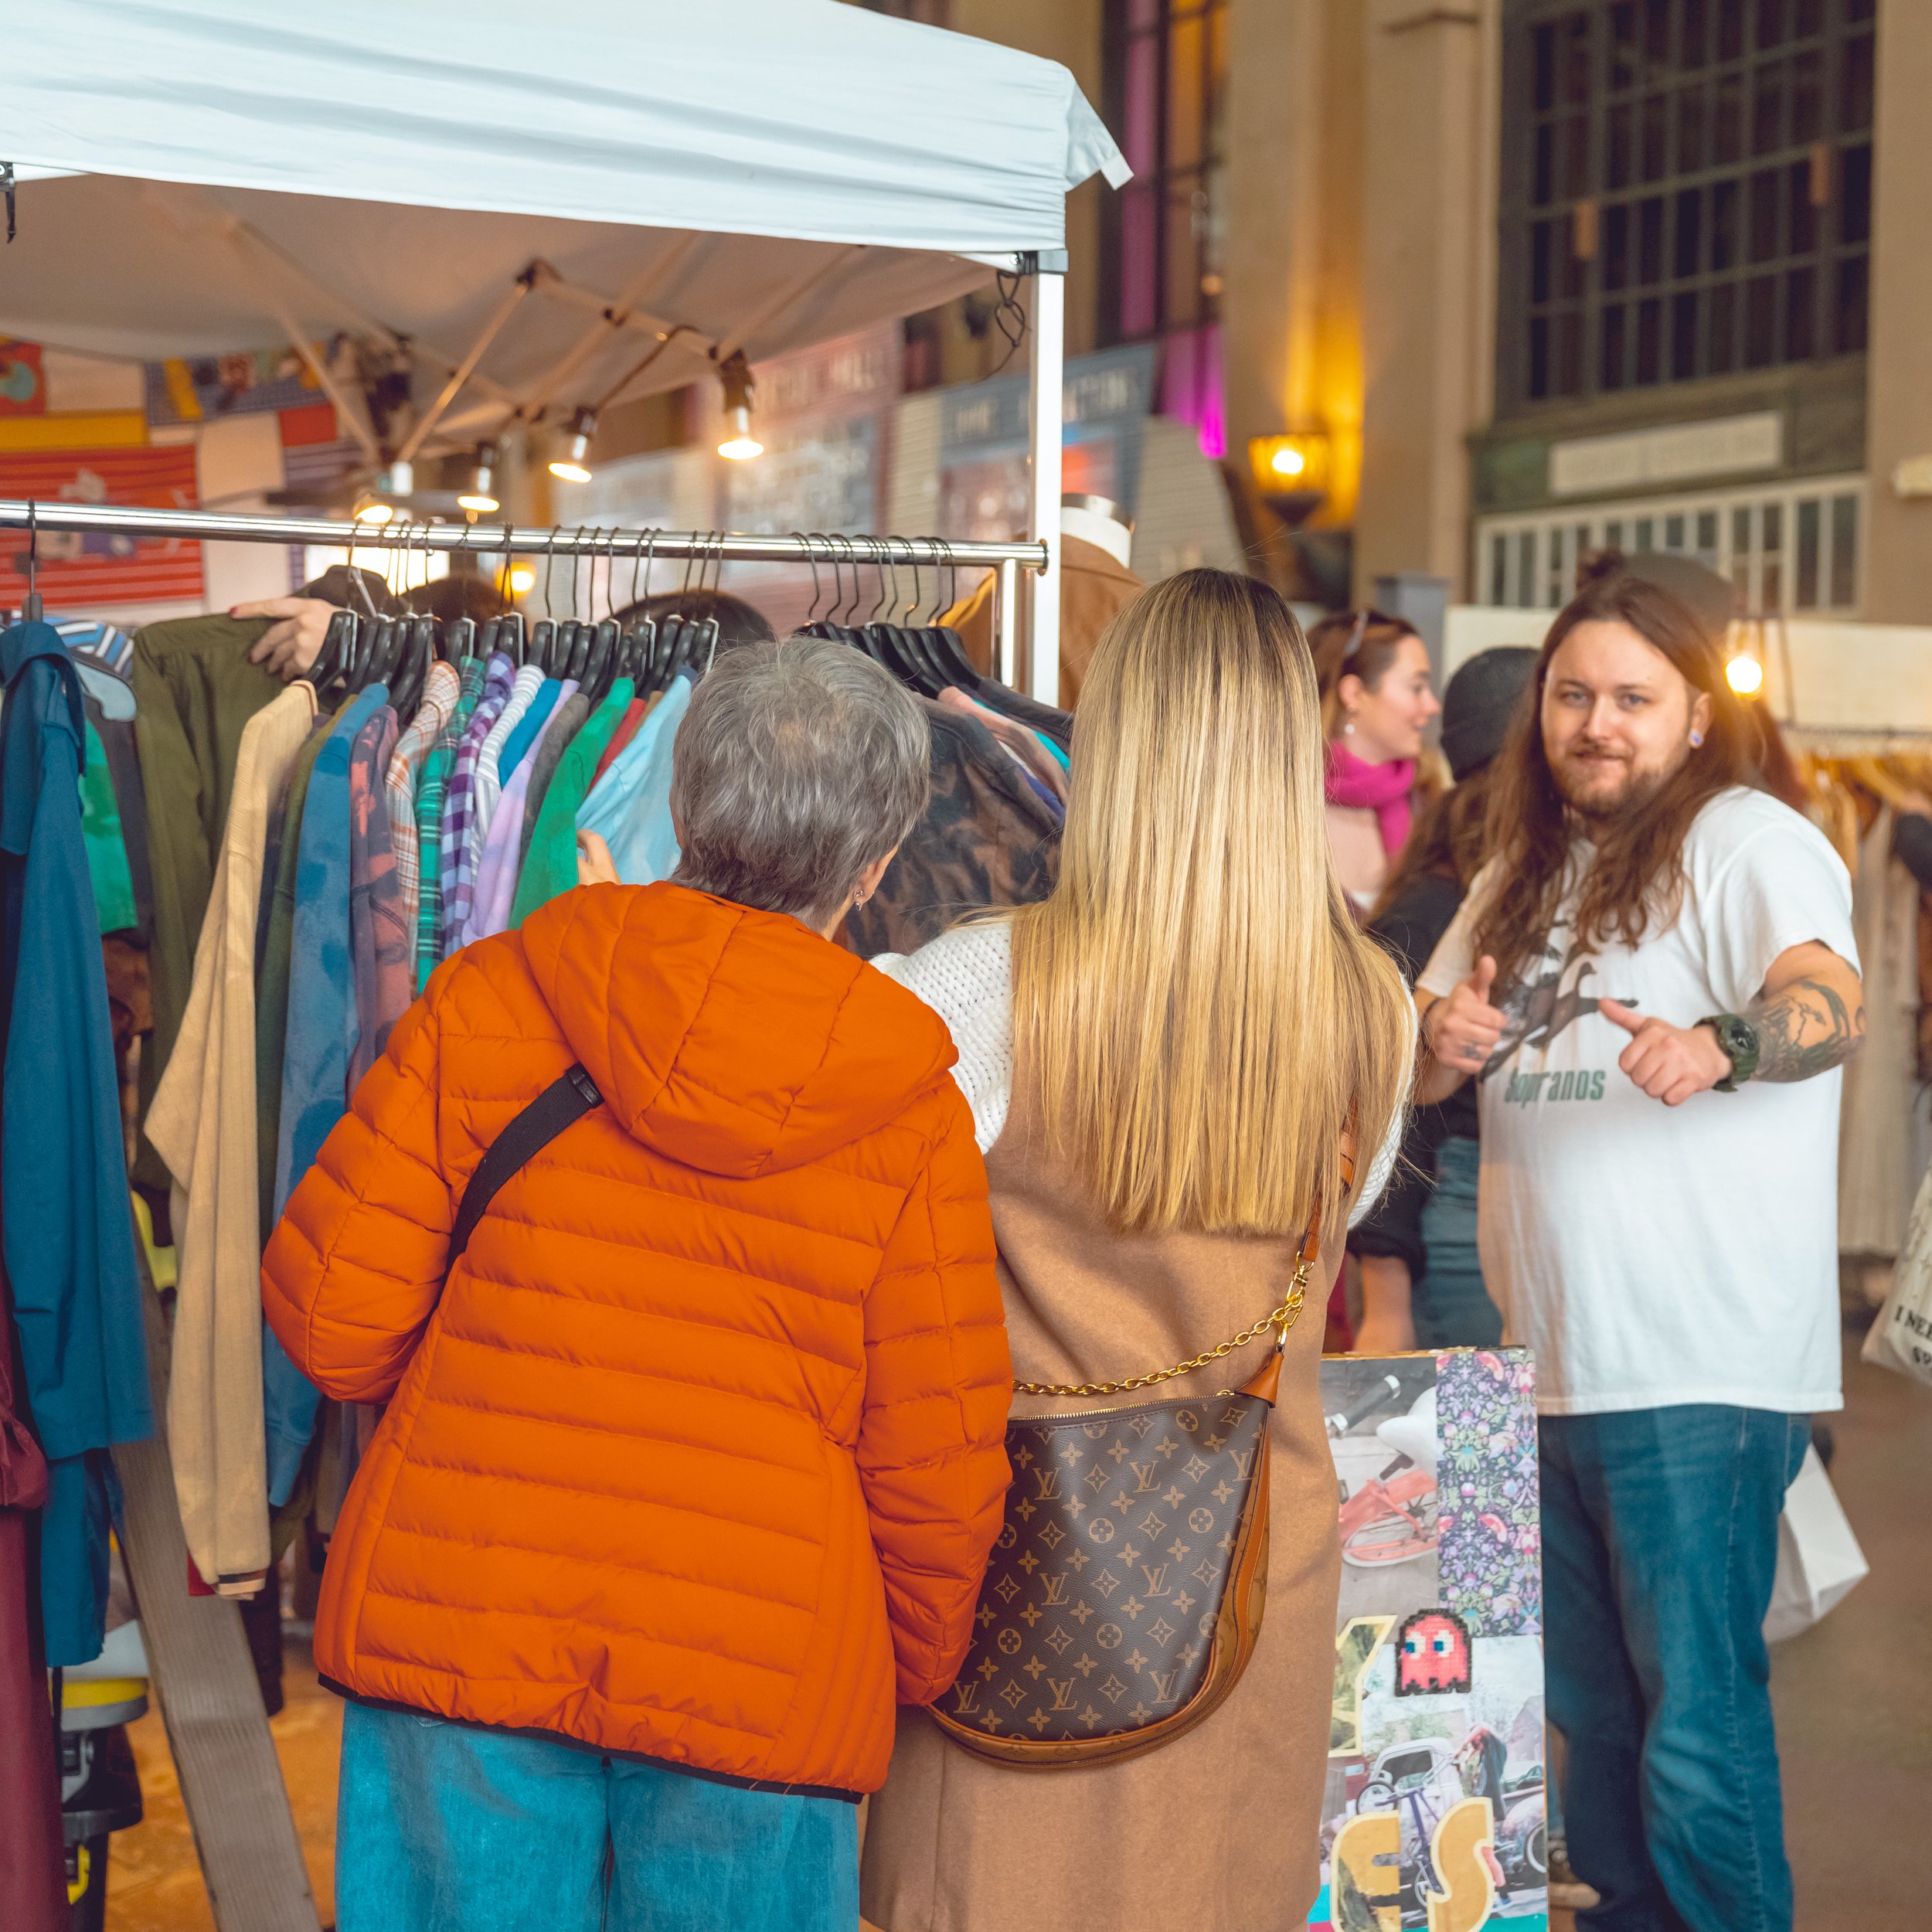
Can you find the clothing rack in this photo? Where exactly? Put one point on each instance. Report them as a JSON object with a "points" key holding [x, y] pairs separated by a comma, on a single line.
{"points": [[479, 539]]}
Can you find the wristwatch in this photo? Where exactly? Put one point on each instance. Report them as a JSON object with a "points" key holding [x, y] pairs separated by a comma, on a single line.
{"points": [[1739, 1039]]}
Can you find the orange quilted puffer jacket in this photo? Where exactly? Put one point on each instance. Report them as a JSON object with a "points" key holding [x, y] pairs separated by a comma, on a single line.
{"points": [[700, 1450]]}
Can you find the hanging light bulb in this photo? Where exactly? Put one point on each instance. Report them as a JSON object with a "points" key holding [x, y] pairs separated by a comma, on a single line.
{"points": [[569, 464], [481, 497], [376, 511], [1744, 665], [739, 445]]}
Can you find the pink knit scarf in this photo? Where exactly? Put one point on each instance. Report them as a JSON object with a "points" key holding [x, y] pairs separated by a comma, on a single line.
{"points": [[1381, 789]]}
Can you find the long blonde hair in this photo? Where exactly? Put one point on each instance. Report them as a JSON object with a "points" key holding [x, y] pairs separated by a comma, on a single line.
{"points": [[1196, 1017]]}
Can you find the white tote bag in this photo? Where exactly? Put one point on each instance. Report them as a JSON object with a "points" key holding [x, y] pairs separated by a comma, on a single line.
{"points": [[1818, 1558], [1901, 1337]]}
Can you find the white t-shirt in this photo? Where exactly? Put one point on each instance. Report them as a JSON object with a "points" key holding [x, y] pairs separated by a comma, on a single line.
{"points": [[1653, 1255]]}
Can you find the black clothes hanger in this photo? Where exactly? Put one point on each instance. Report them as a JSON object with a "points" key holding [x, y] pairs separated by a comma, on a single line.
{"points": [[457, 642], [509, 637], [948, 647], [406, 692], [338, 646]]}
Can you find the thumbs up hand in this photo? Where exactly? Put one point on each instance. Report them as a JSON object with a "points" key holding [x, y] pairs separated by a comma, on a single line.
{"points": [[1670, 1064], [1462, 1029]]}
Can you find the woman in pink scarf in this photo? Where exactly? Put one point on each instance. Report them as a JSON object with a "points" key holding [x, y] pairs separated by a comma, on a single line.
{"points": [[1376, 702]]}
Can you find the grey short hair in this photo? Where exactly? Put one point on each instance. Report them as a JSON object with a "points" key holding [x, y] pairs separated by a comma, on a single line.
{"points": [[798, 765]]}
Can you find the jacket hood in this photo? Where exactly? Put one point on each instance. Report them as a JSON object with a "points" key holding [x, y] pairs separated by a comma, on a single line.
{"points": [[731, 1040]]}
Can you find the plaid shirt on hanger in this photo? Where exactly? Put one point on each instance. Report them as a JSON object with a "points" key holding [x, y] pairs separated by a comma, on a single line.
{"points": [[441, 688], [431, 788], [459, 806]]}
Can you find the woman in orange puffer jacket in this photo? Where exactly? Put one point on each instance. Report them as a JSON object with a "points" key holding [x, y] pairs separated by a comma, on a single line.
{"points": [[694, 1460]]}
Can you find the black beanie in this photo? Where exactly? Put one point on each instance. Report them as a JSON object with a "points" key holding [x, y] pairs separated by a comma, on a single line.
{"points": [[1480, 702], [1707, 596]]}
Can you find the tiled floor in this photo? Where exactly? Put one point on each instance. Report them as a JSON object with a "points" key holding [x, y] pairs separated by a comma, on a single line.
{"points": [[1854, 1698]]}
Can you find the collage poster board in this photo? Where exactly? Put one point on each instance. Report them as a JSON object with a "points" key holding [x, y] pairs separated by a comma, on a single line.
{"points": [[1433, 1815]]}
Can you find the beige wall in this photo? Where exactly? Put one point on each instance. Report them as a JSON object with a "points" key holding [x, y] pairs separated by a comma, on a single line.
{"points": [[1898, 583], [1428, 267], [1291, 304]]}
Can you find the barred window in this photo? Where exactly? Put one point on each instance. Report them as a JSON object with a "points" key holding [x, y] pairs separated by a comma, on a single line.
{"points": [[1687, 190]]}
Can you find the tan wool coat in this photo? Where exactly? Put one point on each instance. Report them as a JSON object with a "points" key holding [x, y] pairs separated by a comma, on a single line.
{"points": [[1216, 1831]]}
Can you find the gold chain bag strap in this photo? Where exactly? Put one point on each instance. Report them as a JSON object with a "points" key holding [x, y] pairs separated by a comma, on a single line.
{"points": [[1124, 1593]]}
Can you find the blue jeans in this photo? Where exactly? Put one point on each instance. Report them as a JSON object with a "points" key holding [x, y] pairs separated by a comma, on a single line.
{"points": [[1451, 1307], [1660, 1546], [452, 1827]]}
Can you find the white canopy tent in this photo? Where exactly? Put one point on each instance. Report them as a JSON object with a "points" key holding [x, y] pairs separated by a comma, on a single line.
{"points": [[588, 201]]}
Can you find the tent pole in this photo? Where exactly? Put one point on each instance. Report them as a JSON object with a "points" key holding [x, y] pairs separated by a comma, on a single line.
{"points": [[464, 369], [347, 409], [1006, 601], [1046, 377]]}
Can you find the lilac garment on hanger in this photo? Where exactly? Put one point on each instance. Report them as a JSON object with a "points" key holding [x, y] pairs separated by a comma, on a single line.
{"points": [[496, 871]]}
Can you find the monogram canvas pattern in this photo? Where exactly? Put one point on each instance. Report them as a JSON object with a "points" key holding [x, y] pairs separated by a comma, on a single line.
{"points": [[1098, 1613]]}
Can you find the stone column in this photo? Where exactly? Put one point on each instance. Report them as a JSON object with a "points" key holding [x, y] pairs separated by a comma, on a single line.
{"points": [[1898, 550], [1428, 229]]}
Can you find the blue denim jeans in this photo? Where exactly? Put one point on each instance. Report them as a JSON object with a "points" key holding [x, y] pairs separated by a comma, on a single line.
{"points": [[1660, 1546], [1452, 1308], [452, 1828]]}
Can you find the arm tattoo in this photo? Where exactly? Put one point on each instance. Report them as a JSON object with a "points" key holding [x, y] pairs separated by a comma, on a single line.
{"points": [[1803, 1030]]}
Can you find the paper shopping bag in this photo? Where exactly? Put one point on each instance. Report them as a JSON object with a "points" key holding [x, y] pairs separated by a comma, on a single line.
{"points": [[1818, 1558]]}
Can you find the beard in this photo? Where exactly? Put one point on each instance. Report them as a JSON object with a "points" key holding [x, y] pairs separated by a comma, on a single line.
{"points": [[1602, 790]]}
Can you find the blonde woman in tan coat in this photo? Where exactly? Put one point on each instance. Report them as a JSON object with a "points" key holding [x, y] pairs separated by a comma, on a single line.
{"points": [[1164, 1061]]}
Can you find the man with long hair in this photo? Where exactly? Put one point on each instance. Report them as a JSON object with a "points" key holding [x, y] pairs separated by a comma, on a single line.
{"points": [[1655, 982]]}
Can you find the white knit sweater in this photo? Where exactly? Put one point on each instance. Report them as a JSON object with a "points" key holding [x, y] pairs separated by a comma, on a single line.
{"points": [[966, 977]]}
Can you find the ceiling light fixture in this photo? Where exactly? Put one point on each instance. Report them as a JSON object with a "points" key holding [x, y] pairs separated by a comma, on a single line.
{"points": [[569, 464], [739, 445], [376, 511], [480, 498]]}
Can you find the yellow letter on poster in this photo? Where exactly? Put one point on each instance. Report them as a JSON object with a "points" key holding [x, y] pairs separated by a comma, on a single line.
{"points": [[1364, 1877], [1356, 1646], [1463, 1851]]}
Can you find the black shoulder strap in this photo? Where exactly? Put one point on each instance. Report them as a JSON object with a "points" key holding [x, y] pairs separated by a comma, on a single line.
{"points": [[568, 1098]]}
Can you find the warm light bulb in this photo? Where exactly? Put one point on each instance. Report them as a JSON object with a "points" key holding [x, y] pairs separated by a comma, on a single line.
{"points": [[1287, 462], [739, 445], [1744, 674], [569, 472], [522, 579], [483, 506], [375, 513]]}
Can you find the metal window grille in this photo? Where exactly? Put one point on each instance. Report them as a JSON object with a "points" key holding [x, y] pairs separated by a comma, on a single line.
{"points": [[1687, 190], [1792, 549]]}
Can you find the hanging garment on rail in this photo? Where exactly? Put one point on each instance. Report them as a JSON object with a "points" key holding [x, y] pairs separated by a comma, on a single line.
{"points": [[490, 771], [274, 941], [550, 861], [630, 806], [529, 727], [195, 691], [32, 1880], [381, 956], [503, 843], [431, 793], [321, 1036], [203, 1122], [986, 838], [66, 1233], [459, 805], [442, 685], [571, 717]]}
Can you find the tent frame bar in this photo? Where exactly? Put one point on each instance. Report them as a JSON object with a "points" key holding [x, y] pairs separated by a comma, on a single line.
{"points": [[487, 540]]}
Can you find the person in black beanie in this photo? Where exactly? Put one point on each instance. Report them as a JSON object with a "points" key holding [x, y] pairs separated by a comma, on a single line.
{"points": [[1422, 1284]]}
